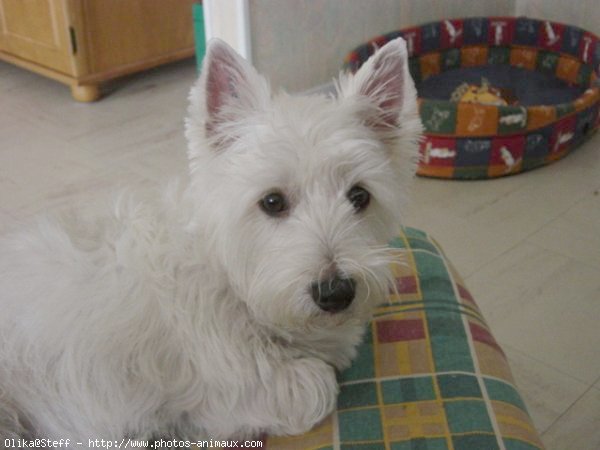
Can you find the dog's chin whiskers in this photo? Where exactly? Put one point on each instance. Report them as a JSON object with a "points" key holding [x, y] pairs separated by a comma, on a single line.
{"points": [[368, 277]]}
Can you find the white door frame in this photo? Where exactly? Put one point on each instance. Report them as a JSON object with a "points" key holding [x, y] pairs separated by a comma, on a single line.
{"points": [[229, 20]]}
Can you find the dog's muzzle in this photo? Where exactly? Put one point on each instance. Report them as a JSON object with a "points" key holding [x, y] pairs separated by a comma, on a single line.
{"points": [[335, 294]]}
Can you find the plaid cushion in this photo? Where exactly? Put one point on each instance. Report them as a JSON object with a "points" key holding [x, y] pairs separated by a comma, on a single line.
{"points": [[429, 374]]}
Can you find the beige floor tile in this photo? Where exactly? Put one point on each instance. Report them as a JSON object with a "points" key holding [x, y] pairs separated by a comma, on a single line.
{"points": [[48, 104], [576, 233], [584, 160], [546, 391], [445, 209], [14, 79], [539, 197], [54, 149], [466, 244], [463, 198], [476, 221], [8, 124], [130, 138], [7, 222], [89, 195], [164, 160], [34, 164], [500, 201], [579, 427], [544, 304]]}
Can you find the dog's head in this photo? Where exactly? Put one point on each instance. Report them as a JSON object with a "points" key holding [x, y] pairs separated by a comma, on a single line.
{"points": [[299, 196]]}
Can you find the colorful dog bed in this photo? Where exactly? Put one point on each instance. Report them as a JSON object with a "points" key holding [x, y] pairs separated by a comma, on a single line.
{"points": [[543, 77], [429, 375]]}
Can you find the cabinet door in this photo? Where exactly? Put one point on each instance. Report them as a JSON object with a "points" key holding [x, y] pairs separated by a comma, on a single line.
{"points": [[119, 33], [37, 31]]}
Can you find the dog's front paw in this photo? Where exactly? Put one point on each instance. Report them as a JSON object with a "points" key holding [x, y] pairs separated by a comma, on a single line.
{"points": [[305, 393]]}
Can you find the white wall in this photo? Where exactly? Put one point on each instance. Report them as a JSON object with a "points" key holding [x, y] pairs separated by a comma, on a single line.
{"points": [[228, 20], [300, 44], [582, 13]]}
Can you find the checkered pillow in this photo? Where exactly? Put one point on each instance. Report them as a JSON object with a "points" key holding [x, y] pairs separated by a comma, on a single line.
{"points": [[429, 375]]}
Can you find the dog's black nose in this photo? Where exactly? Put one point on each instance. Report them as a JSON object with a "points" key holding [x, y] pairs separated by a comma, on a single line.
{"points": [[335, 294]]}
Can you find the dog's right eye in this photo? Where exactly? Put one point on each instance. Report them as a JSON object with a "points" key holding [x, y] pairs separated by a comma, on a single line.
{"points": [[274, 204], [359, 197]]}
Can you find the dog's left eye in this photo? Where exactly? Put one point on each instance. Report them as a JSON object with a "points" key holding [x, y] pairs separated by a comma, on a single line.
{"points": [[359, 197], [274, 204]]}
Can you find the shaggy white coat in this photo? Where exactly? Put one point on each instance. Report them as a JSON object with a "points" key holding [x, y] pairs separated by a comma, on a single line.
{"points": [[189, 313]]}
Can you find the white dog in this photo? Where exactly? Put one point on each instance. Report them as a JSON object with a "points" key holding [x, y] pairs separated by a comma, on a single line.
{"points": [[221, 309]]}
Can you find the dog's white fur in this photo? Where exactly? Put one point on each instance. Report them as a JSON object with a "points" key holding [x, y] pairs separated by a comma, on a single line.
{"points": [[189, 313]]}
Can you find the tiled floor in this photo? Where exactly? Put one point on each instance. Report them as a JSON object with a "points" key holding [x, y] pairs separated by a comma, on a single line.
{"points": [[528, 246]]}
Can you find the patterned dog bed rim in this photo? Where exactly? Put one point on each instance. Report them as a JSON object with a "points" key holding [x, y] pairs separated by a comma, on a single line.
{"points": [[509, 139]]}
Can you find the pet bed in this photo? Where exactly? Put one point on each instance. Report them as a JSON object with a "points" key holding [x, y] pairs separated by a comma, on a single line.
{"points": [[429, 374], [498, 95]]}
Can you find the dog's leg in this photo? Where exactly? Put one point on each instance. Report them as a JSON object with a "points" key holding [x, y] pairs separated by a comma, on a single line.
{"points": [[288, 398], [11, 425], [303, 392]]}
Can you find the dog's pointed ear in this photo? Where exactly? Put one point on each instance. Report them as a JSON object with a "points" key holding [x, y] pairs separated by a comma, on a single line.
{"points": [[228, 88], [383, 82]]}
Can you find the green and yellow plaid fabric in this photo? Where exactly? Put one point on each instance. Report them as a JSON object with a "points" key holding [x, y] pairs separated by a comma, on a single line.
{"points": [[429, 374]]}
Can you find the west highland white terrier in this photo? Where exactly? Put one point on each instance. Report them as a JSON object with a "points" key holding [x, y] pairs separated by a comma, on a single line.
{"points": [[223, 308]]}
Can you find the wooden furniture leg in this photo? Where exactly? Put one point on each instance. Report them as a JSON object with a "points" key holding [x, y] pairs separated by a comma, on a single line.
{"points": [[85, 92]]}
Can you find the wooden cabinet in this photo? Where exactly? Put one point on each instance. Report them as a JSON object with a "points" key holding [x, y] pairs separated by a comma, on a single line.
{"points": [[84, 42]]}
